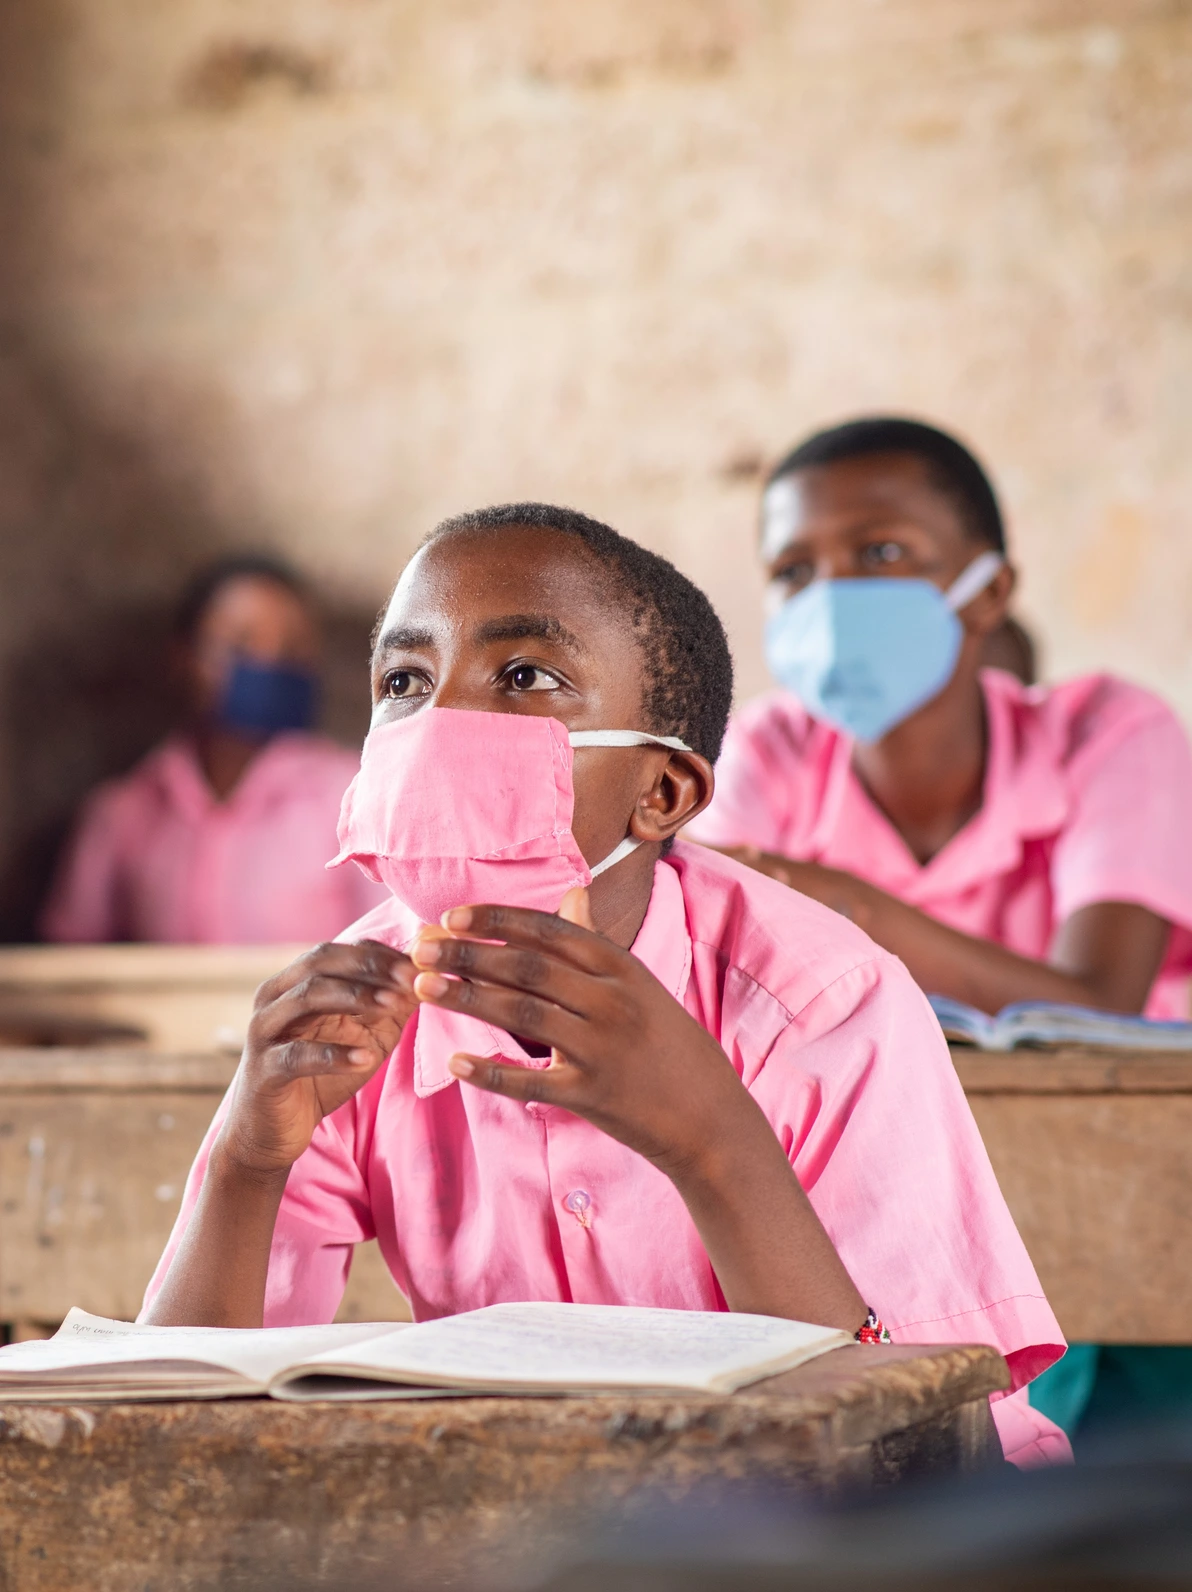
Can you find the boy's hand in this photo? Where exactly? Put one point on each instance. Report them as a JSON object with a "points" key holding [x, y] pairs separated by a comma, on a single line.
{"points": [[625, 1054], [319, 1031]]}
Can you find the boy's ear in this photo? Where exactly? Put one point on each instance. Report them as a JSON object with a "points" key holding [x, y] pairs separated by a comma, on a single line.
{"points": [[989, 608], [683, 789]]}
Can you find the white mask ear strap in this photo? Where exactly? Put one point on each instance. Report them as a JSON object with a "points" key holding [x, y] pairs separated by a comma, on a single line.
{"points": [[625, 738], [971, 582], [616, 855]]}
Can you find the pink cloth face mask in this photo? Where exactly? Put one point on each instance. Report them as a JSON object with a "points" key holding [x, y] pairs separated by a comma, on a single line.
{"points": [[452, 807]]}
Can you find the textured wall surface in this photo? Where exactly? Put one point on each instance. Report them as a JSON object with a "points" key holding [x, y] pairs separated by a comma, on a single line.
{"points": [[311, 275]]}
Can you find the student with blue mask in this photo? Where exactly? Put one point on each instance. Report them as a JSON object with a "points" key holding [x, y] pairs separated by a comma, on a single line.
{"points": [[1006, 842], [221, 834]]}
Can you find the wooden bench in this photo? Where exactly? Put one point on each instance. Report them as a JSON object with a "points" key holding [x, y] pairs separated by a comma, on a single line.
{"points": [[256, 1494]]}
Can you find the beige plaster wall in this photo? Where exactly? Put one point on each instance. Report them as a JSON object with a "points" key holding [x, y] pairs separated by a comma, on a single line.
{"points": [[311, 275]]}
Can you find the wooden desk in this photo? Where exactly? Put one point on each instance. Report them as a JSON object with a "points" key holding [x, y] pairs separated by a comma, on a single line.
{"points": [[176, 997], [94, 1150], [256, 1494], [1093, 1150]]}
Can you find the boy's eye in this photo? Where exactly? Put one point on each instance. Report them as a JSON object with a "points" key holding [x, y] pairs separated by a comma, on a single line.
{"points": [[800, 572], [400, 683], [879, 555], [529, 677]]}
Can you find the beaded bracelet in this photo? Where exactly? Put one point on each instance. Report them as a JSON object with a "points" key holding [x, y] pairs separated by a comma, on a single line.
{"points": [[872, 1331]]}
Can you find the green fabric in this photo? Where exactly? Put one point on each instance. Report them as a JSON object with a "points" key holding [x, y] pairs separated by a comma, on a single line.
{"points": [[1140, 1383], [1063, 1391], [1104, 1384]]}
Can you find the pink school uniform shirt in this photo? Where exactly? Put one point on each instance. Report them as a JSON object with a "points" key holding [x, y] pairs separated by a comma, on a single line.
{"points": [[157, 857], [477, 1199], [1088, 797]]}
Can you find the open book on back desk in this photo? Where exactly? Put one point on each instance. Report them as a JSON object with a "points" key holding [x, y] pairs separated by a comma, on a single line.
{"points": [[1044, 1023], [533, 1348]]}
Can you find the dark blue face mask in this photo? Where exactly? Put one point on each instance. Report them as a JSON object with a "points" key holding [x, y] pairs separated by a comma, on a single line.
{"points": [[263, 699]]}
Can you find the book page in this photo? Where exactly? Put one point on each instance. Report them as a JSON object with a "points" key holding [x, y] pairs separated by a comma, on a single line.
{"points": [[95, 1345], [558, 1347]]}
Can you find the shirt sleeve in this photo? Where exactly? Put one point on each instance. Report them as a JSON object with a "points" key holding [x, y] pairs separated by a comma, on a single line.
{"points": [[1129, 832], [747, 807], [324, 1213], [863, 1095], [84, 904]]}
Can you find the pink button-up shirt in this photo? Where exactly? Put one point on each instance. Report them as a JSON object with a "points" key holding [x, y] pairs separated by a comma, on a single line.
{"points": [[1088, 797], [157, 857], [476, 1198]]}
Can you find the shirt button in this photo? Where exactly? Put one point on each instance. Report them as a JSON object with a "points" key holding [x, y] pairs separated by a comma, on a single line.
{"points": [[578, 1202]]}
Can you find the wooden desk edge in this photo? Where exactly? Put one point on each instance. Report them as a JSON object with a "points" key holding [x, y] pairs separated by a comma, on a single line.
{"points": [[55, 1070], [1072, 1070], [60, 1069], [48, 969], [863, 1392]]}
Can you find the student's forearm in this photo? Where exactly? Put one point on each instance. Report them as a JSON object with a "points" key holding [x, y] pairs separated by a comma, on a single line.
{"points": [[217, 1277], [767, 1246], [945, 961]]}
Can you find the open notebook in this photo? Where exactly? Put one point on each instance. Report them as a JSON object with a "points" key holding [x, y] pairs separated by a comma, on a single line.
{"points": [[1042, 1023], [510, 1348]]}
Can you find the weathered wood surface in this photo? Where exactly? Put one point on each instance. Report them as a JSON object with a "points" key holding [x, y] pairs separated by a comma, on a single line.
{"points": [[94, 1151], [252, 1493], [177, 997], [1093, 1150], [1075, 1070]]}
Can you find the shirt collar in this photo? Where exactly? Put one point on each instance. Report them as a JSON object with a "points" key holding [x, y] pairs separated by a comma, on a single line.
{"points": [[270, 773], [1025, 797], [663, 944]]}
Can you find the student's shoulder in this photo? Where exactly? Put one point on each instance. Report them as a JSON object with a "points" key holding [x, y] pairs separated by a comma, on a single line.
{"points": [[777, 722], [1089, 713], [788, 944], [153, 780], [315, 757]]}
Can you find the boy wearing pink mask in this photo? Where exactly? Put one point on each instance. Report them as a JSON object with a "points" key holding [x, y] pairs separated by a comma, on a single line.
{"points": [[720, 1095]]}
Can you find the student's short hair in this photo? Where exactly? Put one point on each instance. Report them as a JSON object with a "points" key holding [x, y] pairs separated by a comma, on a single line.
{"points": [[953, 470], [689, 675], [205, 586]]}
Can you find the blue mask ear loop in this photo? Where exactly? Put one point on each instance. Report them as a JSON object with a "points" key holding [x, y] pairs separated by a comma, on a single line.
{"points": [[972, 581], [623, 738]]}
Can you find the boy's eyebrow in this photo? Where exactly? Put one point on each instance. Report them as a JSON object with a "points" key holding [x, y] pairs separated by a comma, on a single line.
{"points": [[525, 627], [402, 636]]}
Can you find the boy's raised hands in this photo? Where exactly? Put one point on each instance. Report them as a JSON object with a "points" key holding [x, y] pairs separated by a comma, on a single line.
{"points": [[625, 1054], [629, 1058], [319, 1031]]}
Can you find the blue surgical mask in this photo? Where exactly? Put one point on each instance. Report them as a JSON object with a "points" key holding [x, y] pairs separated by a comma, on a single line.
{"points": [[864, 654], [263, 699]]}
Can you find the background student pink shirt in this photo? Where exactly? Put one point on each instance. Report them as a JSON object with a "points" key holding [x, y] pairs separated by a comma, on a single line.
{"points": [[1088, 797], [476, 1198], [157, 857]]}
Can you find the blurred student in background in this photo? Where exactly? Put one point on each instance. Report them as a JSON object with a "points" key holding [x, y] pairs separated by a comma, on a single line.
{"points": [[1008, 843], [221, 834]]}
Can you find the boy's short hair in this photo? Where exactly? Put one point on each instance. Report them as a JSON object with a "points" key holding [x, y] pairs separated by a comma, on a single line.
{"points": [[205, 586], [689, 675], [952, 468]]}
